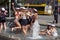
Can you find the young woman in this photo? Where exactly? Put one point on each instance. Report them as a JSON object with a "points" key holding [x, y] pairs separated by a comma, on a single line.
{"points": [[16, 21], [18, 17], [24, 22], [54, 31], [50, 31], [46, 31], [3, 19], [0, 19], [29, 19]]}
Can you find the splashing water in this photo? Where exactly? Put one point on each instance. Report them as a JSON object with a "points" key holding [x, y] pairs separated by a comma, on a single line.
{"points": [[36, 29]]}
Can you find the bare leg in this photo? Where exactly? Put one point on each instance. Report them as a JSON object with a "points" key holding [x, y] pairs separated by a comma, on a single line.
{"points": [[24, 30], [5, 27], [1, 26], [27, 27], [18, 25], [42, 32], [16, 28]]}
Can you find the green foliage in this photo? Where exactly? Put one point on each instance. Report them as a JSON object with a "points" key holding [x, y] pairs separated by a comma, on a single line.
{"points": [[3, 2]]}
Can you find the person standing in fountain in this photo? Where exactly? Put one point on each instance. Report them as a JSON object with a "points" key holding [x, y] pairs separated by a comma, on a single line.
{"points": [[34, 15], [17, 12], [3, 19], [24, 21], [35, 26]]}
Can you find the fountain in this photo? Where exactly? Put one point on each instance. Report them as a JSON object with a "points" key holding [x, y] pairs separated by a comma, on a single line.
{"points": [[35, 29]]}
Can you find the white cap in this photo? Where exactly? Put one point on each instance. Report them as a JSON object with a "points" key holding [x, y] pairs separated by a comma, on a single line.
{"points": [[52, 24], [3, 9], [17, 8], [23, 7], [35, 9]]}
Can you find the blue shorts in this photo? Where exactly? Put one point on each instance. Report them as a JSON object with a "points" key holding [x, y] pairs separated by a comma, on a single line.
{"points": [[2, 19]]}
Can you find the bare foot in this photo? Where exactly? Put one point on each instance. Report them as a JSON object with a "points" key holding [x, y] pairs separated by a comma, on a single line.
{"points": [[12, 29]]}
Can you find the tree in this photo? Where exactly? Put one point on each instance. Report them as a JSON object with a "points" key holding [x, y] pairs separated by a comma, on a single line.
{"points": [[3, 2]]}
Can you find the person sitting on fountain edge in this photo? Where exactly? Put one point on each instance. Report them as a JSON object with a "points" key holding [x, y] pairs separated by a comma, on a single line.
{"points": [[50, 31]]}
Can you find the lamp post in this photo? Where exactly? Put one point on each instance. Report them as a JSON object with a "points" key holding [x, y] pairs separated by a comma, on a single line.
{"points": [[9, 8]]}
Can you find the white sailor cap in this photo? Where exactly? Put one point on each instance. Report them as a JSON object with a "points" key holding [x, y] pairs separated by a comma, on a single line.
{"points": [[35, 9], [17, 8], [53, 25], [3, 9], [23, 7]]}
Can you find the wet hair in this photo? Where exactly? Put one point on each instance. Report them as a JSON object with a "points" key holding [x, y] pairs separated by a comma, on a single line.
{"points": [[34, 10], [48, 27]]}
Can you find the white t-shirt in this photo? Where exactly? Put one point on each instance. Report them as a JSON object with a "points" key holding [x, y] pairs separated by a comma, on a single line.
{"points": [[54, 33], [24, 17]]}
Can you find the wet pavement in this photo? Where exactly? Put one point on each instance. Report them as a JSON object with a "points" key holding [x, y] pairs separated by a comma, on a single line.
{"points": [[5, 38], [17, 35]]}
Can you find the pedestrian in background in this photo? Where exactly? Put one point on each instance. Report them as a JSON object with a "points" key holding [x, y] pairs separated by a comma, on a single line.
{"points": [[55, 14]]}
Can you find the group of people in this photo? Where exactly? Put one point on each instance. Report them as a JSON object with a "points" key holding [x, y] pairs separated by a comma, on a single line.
{"points": [[24, 18]]}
